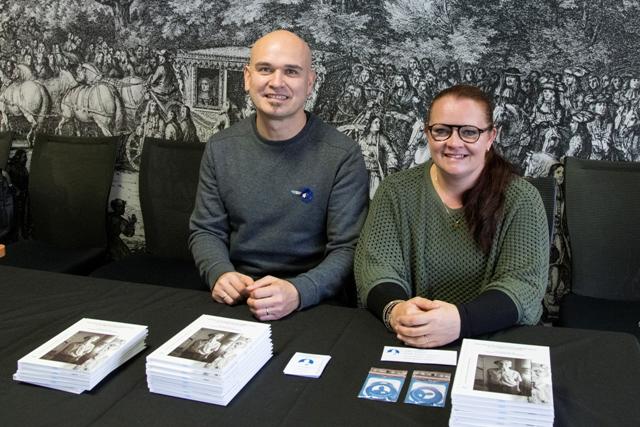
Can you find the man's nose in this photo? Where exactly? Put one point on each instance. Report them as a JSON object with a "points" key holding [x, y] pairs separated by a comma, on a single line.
{"points": [[277, 78]]}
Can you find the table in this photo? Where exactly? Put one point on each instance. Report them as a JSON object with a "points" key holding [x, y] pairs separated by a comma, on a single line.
{"points": [[596, 375]]}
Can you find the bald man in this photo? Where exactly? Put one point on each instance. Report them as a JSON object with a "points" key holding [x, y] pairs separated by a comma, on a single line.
{"points": [[282, 196]]}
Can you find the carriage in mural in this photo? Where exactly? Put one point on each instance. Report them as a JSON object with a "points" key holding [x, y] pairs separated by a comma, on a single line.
{"points": [[214, 87], [81, 101], [208, 94], [211, 88], [214, 84], [206, 85]]}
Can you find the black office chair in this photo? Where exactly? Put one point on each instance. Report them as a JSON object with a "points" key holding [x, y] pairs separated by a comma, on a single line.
{"points": [[546, 186], [602, 203], [168, 181], [7, 197], [6, 139], [69, 185]]}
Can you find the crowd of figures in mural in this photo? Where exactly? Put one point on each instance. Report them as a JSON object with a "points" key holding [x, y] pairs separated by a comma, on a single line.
{"points": [[83, 84], [542, 116], [109, 89]]}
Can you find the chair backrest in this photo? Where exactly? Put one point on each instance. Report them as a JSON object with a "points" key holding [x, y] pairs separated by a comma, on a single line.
{"points": [[168, 181], [602, 204], [6, 139], [69, 185], [546, 186]]}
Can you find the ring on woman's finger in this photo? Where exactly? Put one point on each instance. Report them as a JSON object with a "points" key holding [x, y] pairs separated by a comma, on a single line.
{"points": [[267, 310]]}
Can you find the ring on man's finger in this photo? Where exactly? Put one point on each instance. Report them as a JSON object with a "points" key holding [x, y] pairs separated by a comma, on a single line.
{"points": [[267, 310]]}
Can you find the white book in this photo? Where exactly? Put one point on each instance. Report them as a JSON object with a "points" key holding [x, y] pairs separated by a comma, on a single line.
{"points": [[210, 360], [510, 379], [34, 373], [456, 421], [195, 387], [49, 384], [210, 345], [79, 357], [211, 369], [205, 395], [480, 410], [489, 416], [217, 383]]}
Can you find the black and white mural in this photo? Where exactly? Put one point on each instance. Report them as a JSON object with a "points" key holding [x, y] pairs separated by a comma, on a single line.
{"points": [[564, 74]]}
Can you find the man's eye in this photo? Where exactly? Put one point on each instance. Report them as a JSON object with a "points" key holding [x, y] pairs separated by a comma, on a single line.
{"points": [[291, 72], [264, 70]]}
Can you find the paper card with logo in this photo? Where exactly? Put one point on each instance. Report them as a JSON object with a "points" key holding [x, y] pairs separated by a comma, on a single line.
{"points": [[307, 364], [418, 355]]}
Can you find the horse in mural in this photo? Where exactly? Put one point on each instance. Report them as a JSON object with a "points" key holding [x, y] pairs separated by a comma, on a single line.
{"points": [[539, 163], [57, 86], [98, 102], [132, 89], [22, 96], [514, 134]]}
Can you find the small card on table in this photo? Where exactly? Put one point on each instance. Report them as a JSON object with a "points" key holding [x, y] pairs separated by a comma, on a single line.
{"points": [[417, 355], [307, 365]]}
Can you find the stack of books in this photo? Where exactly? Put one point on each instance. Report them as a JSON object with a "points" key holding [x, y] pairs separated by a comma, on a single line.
{"points": [[79, 357], [210, 360], [502, 384]]}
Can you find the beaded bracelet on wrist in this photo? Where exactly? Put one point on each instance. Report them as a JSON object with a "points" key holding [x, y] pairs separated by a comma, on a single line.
{"points": [[386, 313]]}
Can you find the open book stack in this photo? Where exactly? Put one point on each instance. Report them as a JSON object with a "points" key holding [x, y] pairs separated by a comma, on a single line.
{"points": [[210, 360], [502, 384], [82, 355]]}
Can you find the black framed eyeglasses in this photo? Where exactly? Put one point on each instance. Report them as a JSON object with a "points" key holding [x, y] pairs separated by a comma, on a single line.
{"points": [[468, 133]]}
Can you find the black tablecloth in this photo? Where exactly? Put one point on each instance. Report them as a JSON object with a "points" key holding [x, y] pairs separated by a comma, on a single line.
{"points": [[596, 375]]}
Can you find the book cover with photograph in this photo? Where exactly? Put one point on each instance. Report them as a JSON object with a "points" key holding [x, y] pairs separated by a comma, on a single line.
{"points": [[502, 382], [210, 360], [211, 345], [82, 355]]}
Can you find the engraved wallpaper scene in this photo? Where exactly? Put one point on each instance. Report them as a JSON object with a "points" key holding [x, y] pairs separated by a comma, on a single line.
{"points": [[564, 75]]}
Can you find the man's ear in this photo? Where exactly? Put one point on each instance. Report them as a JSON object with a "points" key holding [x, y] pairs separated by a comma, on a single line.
{"points": [[247, 78], [312, 81]]}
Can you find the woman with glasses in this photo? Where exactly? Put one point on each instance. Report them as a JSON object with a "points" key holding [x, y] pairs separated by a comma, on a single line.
{"points": [[458, 246]]}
